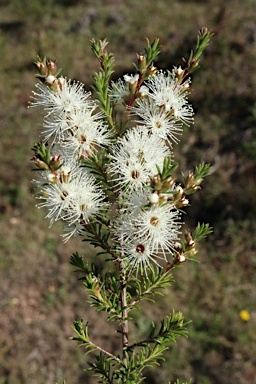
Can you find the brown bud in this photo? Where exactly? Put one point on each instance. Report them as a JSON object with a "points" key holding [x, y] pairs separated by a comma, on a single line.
{"points": [[156, 182], [189, 239], [55, 162], [40, 163], [179, 258], [152, 70], [167, 184], [179, 73], [52, 67], [42, 68]]}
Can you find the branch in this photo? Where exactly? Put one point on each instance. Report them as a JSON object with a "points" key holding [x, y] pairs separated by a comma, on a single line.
{"points": [[83, 337]]}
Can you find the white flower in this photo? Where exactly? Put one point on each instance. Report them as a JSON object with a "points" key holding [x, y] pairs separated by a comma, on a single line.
{"points": [[139, 256], [55, 128], [68, 98], [71, 119], [121, 90], [158, 225], [160, 122], [73, 197], [85, 134], [135, 157], [146, 232], [72, 230], [167, 93]]}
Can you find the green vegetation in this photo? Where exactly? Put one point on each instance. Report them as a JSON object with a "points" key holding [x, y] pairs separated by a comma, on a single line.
{"points": [[39, 292]]}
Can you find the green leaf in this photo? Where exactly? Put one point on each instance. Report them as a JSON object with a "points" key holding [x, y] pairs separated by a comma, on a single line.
{"points": [[202, 231], [203, 40], [152, 51], [202, 170], [102, 367], [78, 262]]}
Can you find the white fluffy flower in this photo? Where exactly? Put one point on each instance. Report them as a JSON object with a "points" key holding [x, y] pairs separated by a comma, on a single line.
{"points": [[71, 119], [139, 255], [160, 122], [171, 96], [85, 134], [158, 225], [73, 197], [68, 98], [146, 232], [135, 157]]}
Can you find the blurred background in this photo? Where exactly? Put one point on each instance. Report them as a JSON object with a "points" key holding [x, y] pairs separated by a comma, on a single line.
{"points": [[39, 293]]}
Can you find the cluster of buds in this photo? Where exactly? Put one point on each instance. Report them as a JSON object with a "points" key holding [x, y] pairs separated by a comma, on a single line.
{"points": [[179, 255], [190, 244], [186, 250], [180, 198], [162, 185], [48, 72], [180, 75], [192, 182], [43, 160], [167, 190], [144, 69]]}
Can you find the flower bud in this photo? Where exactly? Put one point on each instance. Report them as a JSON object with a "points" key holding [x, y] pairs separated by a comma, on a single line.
{"points": [[152, 70], [55, 162], [61, 82], [179, 73], [179, 191], [64, 175], [183, 202], [52, 178], [162, 199], [142, 63], [132, 82], [97, 287], [40, 163], [156, 182], [179, 258], [42, 68], [168, 184], [52, 67], [177, 246], [186, 86], [50, 79], [190, 180], [154, 198], [189, 239], [182, 258]]}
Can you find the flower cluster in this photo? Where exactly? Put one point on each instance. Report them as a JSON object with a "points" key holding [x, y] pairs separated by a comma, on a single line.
{"points": [[70, 119], [75, 131], [136, 167]]}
